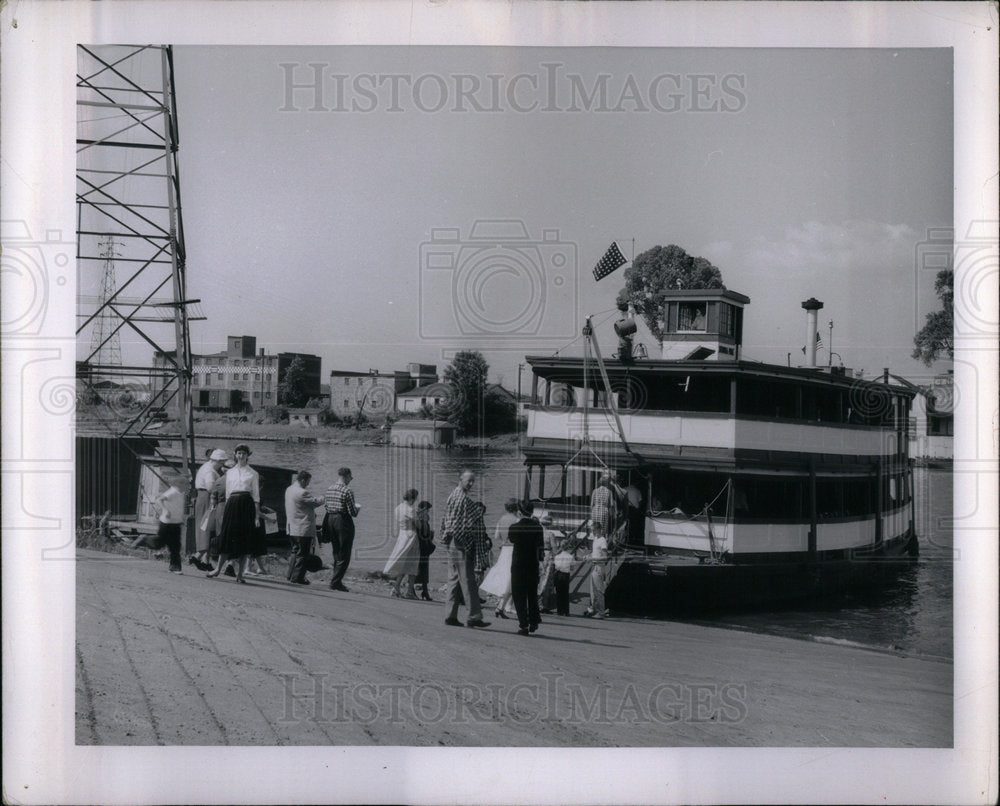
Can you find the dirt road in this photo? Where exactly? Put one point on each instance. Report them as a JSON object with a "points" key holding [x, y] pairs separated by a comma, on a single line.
{"points": [[181, 660]]}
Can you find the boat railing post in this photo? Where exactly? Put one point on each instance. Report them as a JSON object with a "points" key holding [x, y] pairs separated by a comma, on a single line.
{"points": [[812, 510], [878, 501]]}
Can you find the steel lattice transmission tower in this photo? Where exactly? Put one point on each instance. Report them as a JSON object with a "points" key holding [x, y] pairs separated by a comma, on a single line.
{"points": [[128, 194], [105, 341]]}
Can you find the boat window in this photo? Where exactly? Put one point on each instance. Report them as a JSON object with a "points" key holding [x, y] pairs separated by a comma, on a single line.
{"points": [[769, 498], [689, 493], [692, 317], [758, 397], [726, 319], [693, 392]]}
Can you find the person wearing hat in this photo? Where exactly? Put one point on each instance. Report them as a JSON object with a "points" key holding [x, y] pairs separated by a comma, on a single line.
{"points": [[527, 538], [204, 480], [241, 515]]}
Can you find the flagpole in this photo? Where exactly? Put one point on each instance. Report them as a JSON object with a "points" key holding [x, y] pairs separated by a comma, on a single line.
{"points": [[829, 348]]}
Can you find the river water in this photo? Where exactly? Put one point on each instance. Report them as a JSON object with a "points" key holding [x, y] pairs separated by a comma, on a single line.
{"points": [[914, 614]]}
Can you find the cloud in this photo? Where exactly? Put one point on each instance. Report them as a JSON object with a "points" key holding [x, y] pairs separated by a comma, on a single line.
{"points": [[844, 246]]}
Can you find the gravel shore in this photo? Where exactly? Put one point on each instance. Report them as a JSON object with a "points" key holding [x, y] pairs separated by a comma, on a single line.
{"points": [[183, 660]]}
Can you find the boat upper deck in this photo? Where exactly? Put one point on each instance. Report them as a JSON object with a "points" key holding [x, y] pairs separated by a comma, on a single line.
{"points": [[717, 411]]}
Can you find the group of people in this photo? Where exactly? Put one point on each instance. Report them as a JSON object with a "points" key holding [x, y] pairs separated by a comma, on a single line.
{"points": [[229, 521], [534, 562]]}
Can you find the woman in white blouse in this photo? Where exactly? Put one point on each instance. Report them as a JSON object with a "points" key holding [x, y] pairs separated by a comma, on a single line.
{"points": [[241, 515]]}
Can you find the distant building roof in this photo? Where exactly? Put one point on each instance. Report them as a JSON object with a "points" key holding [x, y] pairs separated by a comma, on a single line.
{"points": [[430, 389], [500, 388]]}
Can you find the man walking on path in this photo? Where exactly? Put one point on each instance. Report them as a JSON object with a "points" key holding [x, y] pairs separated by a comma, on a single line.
{"points": [[527, 538], [459, 538], [341, 511], [300, 512]]}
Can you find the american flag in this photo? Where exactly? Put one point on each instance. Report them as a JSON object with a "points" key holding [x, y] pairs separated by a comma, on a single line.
{"points": [[612, 259], [819, 343]]}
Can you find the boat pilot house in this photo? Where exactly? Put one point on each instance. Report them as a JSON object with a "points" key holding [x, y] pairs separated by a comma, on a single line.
{"points": [[739, 481]]}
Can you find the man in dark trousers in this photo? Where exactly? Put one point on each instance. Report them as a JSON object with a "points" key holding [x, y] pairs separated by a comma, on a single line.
{"points": [[527, 538], [300, 515], [341, 510]]}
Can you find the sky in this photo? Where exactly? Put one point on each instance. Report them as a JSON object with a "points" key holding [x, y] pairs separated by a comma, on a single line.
{"points": [[318, 221]]}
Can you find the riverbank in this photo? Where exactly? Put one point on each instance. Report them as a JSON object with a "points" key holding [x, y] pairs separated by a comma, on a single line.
{"points": [[285, 432], [174, 660]]}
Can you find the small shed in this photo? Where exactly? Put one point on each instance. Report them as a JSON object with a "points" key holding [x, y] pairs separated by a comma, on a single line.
{"points": [[422, 434]]}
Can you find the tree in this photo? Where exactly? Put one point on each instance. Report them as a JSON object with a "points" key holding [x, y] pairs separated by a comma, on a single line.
{"points": [[936, 336], [466, 379], [659, 270], [293, 386], [499, 410]]}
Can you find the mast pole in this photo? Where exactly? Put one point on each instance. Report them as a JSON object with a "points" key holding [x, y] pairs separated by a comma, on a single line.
{"points": [[588, 335]]}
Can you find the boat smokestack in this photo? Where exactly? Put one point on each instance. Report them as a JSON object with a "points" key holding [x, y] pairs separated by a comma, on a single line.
{"points": [[811, 306]]}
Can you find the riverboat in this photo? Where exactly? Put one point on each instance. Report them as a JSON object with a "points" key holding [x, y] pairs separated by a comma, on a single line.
{"points": [[739, 482]]}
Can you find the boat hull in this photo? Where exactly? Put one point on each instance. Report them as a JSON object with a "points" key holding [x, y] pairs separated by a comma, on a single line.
{"points": [[658, 587]]}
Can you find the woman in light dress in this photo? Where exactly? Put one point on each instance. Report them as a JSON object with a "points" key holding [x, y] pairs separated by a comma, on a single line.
{"points": [[404, 562], [497, 581]]}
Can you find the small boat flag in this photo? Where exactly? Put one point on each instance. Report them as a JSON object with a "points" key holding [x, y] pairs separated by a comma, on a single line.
{"points": [[612, 259], [819, 343]]}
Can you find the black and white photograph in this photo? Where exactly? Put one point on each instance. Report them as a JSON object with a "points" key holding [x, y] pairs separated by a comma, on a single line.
{"points": [[500, 402]]}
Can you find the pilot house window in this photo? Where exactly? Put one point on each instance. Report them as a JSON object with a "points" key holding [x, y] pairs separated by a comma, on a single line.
{"points": [[691, 316]]}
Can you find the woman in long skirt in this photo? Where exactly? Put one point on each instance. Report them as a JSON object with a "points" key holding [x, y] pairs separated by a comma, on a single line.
{"points": [[425, 540], [405, 558], [241, 515]]}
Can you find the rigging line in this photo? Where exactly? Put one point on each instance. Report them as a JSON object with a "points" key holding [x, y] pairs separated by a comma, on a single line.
{"points": [[692, 518], [576, 338]]}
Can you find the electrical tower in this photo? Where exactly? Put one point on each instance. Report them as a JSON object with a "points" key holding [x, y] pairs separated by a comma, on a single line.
{"points": [[129, 221], [105, 341]]}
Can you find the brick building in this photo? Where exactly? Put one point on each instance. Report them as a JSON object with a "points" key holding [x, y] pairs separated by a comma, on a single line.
{"points": [[241, 378], [373, 393]]}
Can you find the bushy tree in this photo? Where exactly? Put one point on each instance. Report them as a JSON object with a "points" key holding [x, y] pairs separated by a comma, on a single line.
{"points": [[659, 270], [936, 337], [499, 411], [466, 379], [293, 387]]}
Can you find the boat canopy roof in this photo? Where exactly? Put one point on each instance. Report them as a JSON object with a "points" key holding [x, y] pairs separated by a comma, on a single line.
{"points": [[570, 370]]}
